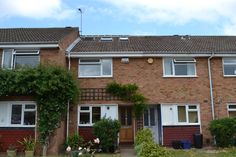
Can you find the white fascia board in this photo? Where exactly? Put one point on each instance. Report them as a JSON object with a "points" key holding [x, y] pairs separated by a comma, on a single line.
{"points": [[31, 46], [142, 54]]}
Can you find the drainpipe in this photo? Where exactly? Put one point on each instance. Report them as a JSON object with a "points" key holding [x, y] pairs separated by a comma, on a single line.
{"points": [[68, 104], [211, 89]]}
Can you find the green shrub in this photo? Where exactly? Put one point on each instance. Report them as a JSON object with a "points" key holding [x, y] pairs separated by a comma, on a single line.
{"points": [[107, 131], [224, 131], [151, 149], [144, 135], [74, 141]]}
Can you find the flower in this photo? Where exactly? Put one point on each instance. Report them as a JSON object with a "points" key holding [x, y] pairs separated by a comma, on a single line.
{"points": [[96, 140], [68, 149], [80, 153], [80, 148]]}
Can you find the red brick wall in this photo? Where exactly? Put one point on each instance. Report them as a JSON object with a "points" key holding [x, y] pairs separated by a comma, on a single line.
{"points": [[158, 89], [86, 133], [171, 133], [11, 136]]}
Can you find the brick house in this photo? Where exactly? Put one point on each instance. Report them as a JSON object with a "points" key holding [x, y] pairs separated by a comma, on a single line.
{"points": [[30, 46], [188, 80]]}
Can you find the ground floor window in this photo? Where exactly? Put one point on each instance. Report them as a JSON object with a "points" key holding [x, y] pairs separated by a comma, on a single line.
{"points": [[18, 114], [180, 114], [89, 115], [232, 110]]}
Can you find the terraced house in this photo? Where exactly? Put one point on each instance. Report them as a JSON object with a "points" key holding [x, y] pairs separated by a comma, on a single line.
{"points": [[188, 80]]}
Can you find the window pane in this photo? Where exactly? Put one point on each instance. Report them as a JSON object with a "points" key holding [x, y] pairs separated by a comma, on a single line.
{"points": [[168, 66], [181, 114], [232, 106], [16, 114], [184, 59], [152, 117], [89, 70], [230, 61], [96, 114], [184, 69], [232, 114], [146, 118], [106, 66], [90, 61], [29, 118], [192, 107], [84, 108], [7, 58], [3, 114], [26, 61], [230, 69], [129, 116], [122, 116], [84, 118], [193, 117], [30, 106]]}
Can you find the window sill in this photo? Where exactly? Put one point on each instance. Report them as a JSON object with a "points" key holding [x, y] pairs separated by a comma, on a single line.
{"points": [[85, 125], [229, 75], [18, 126], [188, 124], [94, 76], [180, 76]]}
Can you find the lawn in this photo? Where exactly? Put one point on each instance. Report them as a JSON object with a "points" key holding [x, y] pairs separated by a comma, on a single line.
{"points": [[204, 153]]}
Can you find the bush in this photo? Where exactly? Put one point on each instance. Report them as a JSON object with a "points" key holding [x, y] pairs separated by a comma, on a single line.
{"points": [[144, 135], [107, 131], [145, 145], [224, 131], [151, 149], [74, 141]]}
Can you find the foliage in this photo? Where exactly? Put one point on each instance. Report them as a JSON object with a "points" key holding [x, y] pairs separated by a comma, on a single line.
{"points": [[144, 135], [74, 141], [52, 87], [107, 131], [28, 143], [145, 145], [224, 131], [129, 92], [151, 149]]}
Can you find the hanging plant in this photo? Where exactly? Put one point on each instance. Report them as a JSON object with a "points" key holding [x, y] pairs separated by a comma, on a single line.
{"points": [[52, 87], [129, 92]]}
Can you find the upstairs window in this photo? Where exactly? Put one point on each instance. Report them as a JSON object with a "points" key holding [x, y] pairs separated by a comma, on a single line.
{"points": [[179, 67], [229, 66], [14, 59], [95, 68], [232, 110]]}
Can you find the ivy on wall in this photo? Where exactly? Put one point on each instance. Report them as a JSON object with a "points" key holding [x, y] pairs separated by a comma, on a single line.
{"points": [[50, 86], [129, 92]]}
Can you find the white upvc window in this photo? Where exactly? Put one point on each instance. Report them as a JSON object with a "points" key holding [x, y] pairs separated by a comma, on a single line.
{"points": [[88, 115], [229, 65], [13, 59], [232, 110], [180, 114], [179, 67], [17, 114], [95, 68]]}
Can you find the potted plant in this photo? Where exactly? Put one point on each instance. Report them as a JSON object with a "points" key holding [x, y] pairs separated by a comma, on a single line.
{"points": [[11, 151], [29, 145]]}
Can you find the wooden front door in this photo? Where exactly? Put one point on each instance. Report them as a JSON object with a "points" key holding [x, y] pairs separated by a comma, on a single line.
{"points": [[126, 131]]}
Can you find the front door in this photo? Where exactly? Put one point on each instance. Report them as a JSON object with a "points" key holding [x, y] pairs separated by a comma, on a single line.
{"points": [[151, 121], [126, 131]]}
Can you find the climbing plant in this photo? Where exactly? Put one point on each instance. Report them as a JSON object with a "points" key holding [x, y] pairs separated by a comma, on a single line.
{"points": [[129, 92], [52, 87]]}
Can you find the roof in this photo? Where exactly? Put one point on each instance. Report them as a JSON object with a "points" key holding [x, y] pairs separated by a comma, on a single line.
{"points": [[158, 44], [10, 36]]}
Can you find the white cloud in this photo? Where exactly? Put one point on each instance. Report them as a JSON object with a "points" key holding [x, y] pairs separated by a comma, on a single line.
{"points": [[180, 12], [36, 9]]}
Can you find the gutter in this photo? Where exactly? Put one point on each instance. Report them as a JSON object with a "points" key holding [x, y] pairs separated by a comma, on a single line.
{"points": [[211, 88], [31, 46]]}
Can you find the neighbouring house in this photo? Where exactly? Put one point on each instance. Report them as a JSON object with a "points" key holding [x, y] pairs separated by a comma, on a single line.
{"points": [[30, 47], [188, 80]]}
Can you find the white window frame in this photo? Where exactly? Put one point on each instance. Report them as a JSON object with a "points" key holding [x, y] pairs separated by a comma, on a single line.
{"points": [[229, 109], [23, 104], [87, 111], [19, 52], [223, 65], [173, 110], [173, 60], [97, 63]]}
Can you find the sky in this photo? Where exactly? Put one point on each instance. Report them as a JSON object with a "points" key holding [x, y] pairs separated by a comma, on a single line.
{"points": [[124, 17]]}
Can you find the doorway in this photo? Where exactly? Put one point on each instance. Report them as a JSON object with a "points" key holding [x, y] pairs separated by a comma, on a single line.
{"points": [[126, 120]]}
